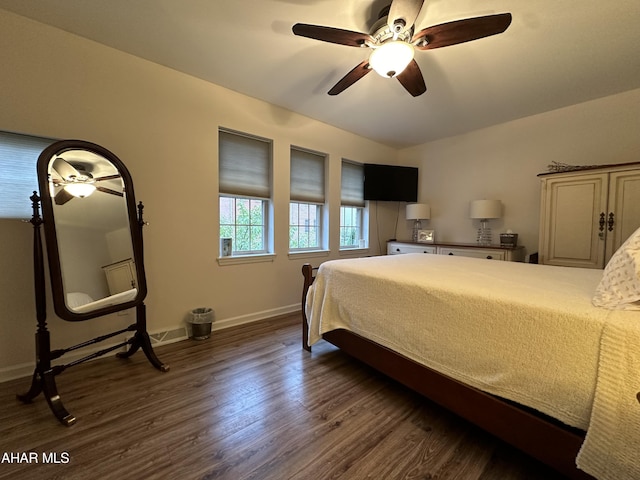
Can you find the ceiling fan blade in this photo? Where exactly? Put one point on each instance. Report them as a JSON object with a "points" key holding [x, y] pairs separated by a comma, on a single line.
{"points": [[332, 35], [64, 168], [412, 80], [106, 177], [350, 78], [109, 191], [461, 31], [62, 197], [403, 12]]}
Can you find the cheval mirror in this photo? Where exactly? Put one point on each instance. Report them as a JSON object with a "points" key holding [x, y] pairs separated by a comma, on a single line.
{"points": [[93, 233]]}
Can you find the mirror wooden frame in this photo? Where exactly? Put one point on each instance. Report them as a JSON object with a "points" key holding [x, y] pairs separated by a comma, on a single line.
{"points": [[43, 380], [53, 251]]}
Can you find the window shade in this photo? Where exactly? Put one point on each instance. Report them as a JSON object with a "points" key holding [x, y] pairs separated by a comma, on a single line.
{"points": [[307, 176], [352, 188], [244, 165], [18, 176]]}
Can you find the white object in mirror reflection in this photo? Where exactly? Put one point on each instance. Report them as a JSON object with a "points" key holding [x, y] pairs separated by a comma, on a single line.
{"points": [[417, 212], [485, 210]]}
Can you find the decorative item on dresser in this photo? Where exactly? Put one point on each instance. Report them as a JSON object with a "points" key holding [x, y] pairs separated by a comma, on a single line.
{"points": [[485, 210], [417, 212], [510, 253], [587, 213]]}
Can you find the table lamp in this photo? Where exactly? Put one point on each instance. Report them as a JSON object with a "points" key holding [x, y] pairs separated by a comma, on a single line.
{"points": [[417, 212], [485, 210]]}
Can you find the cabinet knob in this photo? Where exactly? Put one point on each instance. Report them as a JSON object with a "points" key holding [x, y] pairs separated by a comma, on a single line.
{"points": [[489, 257], [397, 249], [611, 221], [450, 253]]}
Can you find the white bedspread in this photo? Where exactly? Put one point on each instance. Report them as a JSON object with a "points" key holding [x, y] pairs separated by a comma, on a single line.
{"points": [[611, 450], [528, 333], [114, 299]]}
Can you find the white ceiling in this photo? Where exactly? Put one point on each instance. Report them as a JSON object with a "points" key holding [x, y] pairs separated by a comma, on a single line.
{"points": [[554, 54]]}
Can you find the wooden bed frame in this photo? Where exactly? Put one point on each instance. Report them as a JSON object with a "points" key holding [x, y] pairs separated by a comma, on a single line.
{"points": [[540, 436]]}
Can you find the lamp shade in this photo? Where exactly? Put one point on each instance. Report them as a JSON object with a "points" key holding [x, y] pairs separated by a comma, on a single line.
{"points": [[80, 190], [418, 211], [485, 209], [391, 58]]}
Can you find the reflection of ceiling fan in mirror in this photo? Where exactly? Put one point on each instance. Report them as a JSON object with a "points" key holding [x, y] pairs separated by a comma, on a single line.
{"points": [[76, 180], [393, 42]]}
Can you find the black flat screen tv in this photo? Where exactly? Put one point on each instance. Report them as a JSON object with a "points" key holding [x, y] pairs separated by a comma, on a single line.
{"points": [[390, 183]]}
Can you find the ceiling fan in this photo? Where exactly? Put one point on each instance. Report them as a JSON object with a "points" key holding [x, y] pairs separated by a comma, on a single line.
{"points": [[393, 42], [77, 181]]}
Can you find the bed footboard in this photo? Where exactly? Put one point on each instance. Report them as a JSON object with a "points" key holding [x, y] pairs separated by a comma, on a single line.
{"points": [[308, 272]]}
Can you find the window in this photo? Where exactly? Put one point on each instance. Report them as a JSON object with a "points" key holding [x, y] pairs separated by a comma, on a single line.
{"points": [[243, 220], [245, 192], [18, 177], [352, 205], [350, 226], [307, 200]]}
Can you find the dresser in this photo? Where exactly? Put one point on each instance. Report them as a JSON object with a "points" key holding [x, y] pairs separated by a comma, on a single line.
{"points": [[585, 215], [490, 252]]}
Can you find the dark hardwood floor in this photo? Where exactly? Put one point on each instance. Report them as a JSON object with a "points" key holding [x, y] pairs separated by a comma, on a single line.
{"points": [[248, 403]]}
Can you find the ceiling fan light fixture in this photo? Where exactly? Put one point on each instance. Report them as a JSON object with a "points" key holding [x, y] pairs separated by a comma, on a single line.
{"points": [[391, 58], [80, 190]]}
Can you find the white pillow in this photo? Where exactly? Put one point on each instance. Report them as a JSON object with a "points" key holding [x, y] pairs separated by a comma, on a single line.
{"points": [[77, 299], [619, 288]]}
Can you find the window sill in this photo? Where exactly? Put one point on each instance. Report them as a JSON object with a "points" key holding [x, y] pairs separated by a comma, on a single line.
{"points": [[309, 254], [354, 252], [244, 259]]}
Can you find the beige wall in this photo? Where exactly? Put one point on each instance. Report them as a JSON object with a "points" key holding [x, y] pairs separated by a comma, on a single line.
{"points": [[163, 125], [503, 162]]}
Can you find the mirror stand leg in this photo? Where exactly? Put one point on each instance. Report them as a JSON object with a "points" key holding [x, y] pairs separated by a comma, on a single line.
{"points": [[151, 355], [135, 345], [45, 383], [142, 340], [53, 399], [34, 390]]}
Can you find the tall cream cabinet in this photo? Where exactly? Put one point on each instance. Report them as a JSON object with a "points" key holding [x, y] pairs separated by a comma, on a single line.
{"points": [[121, 276], [586, 215]]}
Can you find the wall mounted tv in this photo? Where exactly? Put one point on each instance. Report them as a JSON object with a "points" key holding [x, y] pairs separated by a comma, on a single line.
{"points": [[390, 183]]}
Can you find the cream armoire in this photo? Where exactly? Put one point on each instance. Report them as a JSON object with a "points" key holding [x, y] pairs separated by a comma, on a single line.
{"points": [[587, 214]]}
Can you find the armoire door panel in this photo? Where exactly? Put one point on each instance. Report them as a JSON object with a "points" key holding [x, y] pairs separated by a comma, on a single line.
{"points": [[573, 221], [624, 204]]}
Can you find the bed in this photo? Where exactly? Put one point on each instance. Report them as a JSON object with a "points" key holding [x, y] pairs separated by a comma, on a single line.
{"points": [[518, 349], [80, 302]]}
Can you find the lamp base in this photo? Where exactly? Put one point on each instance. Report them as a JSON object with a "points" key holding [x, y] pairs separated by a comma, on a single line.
{"points": [[417, 226], [484, 233]]}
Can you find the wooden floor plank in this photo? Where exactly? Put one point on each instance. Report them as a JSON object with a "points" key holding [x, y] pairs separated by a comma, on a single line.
{"points": [[248, 403]]}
